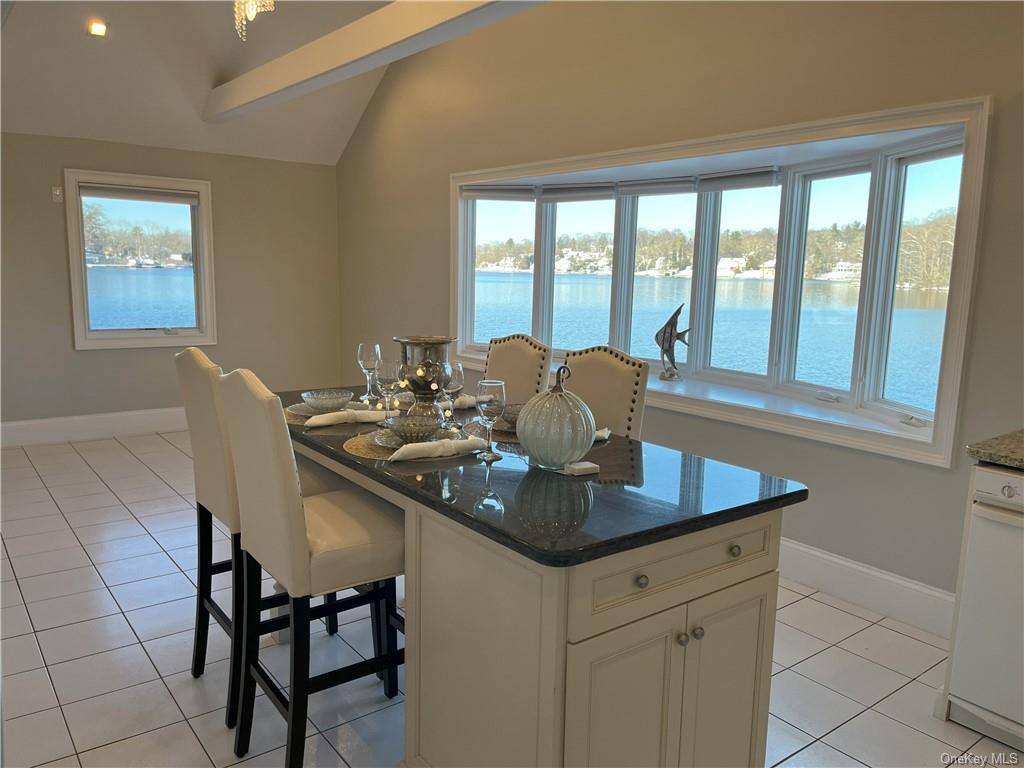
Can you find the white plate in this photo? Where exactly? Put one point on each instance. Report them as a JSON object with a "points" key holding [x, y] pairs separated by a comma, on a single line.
{"points": [[301, 409]]}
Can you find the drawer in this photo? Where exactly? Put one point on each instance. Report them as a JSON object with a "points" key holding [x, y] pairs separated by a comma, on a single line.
{"points": [[621, 588]]}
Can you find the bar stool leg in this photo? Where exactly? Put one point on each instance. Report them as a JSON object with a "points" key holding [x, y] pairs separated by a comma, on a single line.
{"points": [[237, 630], [204, 534], [389, 635], [298, 689], [375, 625], [250, 652], [332, 618]]}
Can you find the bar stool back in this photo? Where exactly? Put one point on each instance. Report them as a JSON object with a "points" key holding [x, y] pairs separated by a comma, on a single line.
{"points": [[613, 384], [521, 362]]}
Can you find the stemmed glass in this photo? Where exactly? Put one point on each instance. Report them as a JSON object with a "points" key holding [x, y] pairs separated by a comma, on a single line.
{"points": [[490, 401], [368, 356], [388, 376], [452, 389]]}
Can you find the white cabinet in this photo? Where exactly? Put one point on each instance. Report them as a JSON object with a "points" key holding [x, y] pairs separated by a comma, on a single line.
{"points": [[624, 694], [685, 687], [727, 677]]}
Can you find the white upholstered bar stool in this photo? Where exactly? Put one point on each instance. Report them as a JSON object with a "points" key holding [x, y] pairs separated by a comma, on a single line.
{"points": [[521, 362], [312, 546], [613, 384], [216, 497]]}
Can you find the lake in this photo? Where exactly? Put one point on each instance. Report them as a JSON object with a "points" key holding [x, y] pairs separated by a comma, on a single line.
{"points": [[741, 329], [132, 297]]}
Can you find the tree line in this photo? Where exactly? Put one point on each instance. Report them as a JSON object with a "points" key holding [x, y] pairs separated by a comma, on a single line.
{"points": [[925, 251], [118, 242]]}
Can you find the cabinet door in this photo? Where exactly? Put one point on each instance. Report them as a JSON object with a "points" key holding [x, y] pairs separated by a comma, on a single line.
{"points": [[728, 675], [623, 698]]}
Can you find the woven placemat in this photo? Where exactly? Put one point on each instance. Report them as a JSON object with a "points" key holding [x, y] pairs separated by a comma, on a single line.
{"points": [[476, 429], [294, 418], [363, 447]]}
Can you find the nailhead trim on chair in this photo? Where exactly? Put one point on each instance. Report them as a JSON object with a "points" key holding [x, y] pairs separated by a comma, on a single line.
{"points": [[640, 365], [541, 372]]}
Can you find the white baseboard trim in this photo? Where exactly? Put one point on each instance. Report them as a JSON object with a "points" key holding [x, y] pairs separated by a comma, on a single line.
{"points": [[92, 426], [887, 593]]}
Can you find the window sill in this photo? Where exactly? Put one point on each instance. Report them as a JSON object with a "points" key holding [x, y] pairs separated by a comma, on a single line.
{"points": [[142, 340], [786, 415]]}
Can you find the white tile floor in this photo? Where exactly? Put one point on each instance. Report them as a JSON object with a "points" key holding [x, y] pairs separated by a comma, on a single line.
{"points": [[97, 611]]}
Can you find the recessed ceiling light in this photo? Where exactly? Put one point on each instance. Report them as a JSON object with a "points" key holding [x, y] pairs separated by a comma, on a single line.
{"points": [[97, 27]]}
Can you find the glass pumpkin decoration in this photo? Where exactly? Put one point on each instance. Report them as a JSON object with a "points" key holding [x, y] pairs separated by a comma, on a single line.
{"points": [[556, 427]]}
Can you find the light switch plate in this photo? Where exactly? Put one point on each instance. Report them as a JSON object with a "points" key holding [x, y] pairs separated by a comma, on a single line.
{"points": [[57, 194]]}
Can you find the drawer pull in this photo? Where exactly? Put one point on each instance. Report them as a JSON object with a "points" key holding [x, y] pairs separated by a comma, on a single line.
{"points": [[698, 633], [642, 581], [735, 550], [682, 638]]}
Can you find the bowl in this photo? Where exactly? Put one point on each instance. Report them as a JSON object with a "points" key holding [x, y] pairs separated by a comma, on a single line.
{"points": [[326, 400], [509, 417], [412, 429]]}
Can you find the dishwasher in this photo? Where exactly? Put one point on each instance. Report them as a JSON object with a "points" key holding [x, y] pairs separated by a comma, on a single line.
{"points": [[985, 679]]}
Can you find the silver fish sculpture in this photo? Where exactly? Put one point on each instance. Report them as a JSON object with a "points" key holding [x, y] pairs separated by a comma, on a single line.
{"points": [[666, 339]]}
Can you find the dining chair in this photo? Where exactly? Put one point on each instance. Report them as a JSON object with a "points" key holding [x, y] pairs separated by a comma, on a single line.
{"points": [[312, 546], [521, 362], [613, 384], [216, 498]]}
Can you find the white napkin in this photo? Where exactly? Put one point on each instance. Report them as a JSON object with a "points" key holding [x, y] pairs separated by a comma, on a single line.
{"points": [[464, 401], [602, 434], [345, 417], [438, 448]]}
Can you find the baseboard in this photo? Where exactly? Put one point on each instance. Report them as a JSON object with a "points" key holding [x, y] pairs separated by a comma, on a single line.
{"points": [[91, 427], [887, 593]]}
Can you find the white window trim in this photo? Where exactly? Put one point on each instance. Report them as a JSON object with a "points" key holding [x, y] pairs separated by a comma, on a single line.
{"points": [[85, 338], [789, 408]]}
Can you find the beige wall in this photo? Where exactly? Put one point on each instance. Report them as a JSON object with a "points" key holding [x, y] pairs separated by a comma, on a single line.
{"points": [[275, 243], [573, 78]]}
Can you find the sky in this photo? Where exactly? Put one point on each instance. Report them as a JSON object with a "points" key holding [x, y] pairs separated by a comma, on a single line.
{"points": [[170, 215], [931, 186]]}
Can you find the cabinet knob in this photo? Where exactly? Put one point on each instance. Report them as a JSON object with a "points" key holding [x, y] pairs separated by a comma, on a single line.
{"points": [[642, 581], [698, 633], [682, 638], [735, 550]]}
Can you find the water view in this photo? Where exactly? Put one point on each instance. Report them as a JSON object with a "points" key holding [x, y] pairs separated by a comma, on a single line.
{"points": [[742, 322], [141, 297]]}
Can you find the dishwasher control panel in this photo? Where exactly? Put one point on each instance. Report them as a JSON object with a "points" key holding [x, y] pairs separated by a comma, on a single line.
{"points": [[1000, 486]]}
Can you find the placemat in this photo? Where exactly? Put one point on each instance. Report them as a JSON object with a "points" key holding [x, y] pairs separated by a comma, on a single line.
{"points": [[476, 429], [364, 448], [293, 418]]}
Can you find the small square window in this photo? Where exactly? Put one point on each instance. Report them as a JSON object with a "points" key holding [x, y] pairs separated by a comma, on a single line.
{"points": [[141, 260]]}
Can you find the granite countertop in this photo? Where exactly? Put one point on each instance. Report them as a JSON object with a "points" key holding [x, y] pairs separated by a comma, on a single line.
{"points": [[644, 493], [1007, 450]]}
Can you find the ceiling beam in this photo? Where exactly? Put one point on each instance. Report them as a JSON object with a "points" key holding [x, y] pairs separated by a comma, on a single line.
{"points": [[395, 31]]}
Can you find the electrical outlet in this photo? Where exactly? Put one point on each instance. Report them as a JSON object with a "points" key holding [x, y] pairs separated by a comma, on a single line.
{"points": [[57, 194]]}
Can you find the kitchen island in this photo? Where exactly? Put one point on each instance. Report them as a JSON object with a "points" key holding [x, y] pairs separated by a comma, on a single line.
{"points": [[625, 618]]}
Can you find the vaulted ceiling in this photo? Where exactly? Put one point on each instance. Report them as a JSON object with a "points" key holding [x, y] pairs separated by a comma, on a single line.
{"points": [[148, 80]]}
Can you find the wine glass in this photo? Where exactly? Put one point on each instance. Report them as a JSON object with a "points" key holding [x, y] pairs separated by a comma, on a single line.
{"points": [[388, 376], [490, 401], [452, 389], [368, 356]]}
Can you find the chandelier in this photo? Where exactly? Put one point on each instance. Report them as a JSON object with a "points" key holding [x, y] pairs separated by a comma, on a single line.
{"points": [[246, 11]]}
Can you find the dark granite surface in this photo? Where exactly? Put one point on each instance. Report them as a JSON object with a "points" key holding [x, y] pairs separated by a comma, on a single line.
{"points": [[643, 494]]}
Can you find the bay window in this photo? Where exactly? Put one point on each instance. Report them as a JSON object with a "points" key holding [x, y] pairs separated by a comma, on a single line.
{"points": [[819, 279]]}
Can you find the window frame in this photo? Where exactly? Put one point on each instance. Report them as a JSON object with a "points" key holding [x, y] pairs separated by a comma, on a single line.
{"points": [[86, 338], [858, 418]]}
